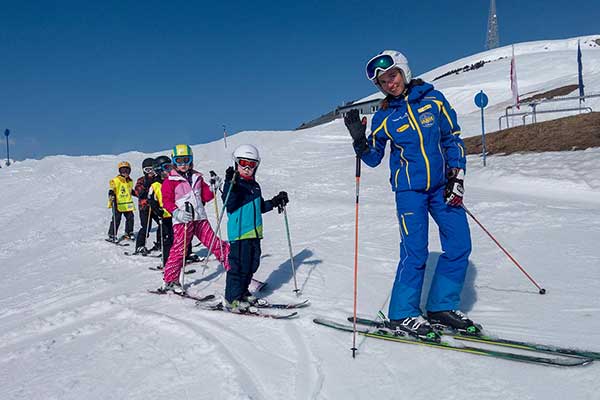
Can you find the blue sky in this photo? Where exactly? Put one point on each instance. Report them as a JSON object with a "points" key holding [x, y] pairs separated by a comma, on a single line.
{"points": [[112, 76]]}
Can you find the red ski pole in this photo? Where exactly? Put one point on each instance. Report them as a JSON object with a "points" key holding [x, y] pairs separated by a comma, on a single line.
{"points": [[541, 289]]}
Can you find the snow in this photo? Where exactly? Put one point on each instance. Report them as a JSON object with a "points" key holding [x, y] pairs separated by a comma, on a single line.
{"points": [[76, 320]]}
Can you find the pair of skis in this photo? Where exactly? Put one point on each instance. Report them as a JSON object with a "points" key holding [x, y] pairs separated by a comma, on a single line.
{"points": [[186, 295], [118, 242], [160, 269], [127, 253], [253, 311], [538, 353], [258, 309]]}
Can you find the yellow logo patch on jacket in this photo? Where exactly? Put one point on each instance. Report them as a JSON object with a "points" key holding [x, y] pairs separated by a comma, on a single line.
{"points": [[426, 119], [403, 128], [424, 108]]}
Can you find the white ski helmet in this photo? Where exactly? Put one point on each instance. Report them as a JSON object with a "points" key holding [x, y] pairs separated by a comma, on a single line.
{"points": [[246, 151], [385, 61]]}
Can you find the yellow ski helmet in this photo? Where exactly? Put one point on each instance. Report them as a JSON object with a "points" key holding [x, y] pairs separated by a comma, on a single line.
{"points": [[124, 164], [182, 155]]}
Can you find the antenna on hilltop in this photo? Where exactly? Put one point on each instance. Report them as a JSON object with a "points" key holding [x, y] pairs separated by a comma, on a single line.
{"points": [[492, 40]]}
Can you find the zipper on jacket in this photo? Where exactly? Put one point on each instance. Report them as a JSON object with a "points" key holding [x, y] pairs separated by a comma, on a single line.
{"points": [[403, 159], [422, 142], [254, 213], [443, 159]]}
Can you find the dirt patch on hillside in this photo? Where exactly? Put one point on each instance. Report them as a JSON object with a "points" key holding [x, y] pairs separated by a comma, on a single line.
{"points": [[561, 91], [570, 133]]}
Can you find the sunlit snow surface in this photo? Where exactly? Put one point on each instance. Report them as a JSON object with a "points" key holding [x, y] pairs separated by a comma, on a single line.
{"points": [[76, 321]]}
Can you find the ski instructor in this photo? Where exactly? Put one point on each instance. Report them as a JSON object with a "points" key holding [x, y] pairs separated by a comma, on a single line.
{"points": [[427, 167]]}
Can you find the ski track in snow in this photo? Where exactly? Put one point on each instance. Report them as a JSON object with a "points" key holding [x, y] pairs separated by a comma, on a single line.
{"points": [[76, 320], [84, 325]]}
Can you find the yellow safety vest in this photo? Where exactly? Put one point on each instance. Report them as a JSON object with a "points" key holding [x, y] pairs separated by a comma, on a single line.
{"points": [[157, 192], [122, 188]]}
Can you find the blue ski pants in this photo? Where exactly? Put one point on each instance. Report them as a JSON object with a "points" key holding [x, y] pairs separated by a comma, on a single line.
{"points": [[413, 208], [244, 260]]}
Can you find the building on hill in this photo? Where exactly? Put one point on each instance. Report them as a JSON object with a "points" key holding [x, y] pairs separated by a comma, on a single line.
{"points": [[364, 107]]}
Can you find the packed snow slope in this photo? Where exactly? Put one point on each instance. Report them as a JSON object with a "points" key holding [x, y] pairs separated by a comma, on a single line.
{"points": [[541, 66], [76, 321]]}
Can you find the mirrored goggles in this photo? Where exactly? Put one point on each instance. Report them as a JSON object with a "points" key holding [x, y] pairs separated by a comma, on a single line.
{"points": [[379, 63], [123, 170], [182, 160], [252, 164], [148, 170]]}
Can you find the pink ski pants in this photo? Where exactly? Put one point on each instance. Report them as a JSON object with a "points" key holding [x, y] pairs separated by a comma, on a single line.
{"points": [[203, 231]]}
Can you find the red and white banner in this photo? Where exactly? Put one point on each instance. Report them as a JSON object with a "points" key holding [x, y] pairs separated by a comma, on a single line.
{"points": [[513, 79]]}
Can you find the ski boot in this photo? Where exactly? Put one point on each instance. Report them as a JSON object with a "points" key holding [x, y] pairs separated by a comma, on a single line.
{"points": [[174, 287], [453, 320], [192, 258], [255, 301], [417, 327], [142, 250], [156, 247], [238, 307]]}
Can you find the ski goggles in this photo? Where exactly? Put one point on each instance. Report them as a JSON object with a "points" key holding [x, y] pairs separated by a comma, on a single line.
{"points": [[123, 170], [182, 160], [163, 168], [379, 63], [251, 164], [148, 170]]}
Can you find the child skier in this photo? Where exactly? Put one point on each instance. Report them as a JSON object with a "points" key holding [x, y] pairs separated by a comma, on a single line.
{"points": [[245, 206], [162, 166], [142, 186], [184, 194], [120, 200]]}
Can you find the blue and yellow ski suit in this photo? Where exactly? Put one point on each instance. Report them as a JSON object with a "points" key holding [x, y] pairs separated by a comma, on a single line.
{"points": [[424, 140]]}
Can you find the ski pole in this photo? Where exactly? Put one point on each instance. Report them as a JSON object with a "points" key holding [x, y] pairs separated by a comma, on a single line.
{"points": [[355, 256], [162, 242], [148, 222], [114, 213], [188, 207], [287, 231], [213, 186], [212, 241], [541, 290]]}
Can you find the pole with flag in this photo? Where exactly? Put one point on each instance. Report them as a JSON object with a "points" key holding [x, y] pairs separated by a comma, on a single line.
{"points": [[225, 136], [580, 75], [513, 79]]}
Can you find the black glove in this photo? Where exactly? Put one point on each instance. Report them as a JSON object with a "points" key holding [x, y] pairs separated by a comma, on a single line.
{"points": [[158, 212], [453, 194], [357, 129], [155, 208], [280, 200], [112, 197], [231, 174], [215, 181]]}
